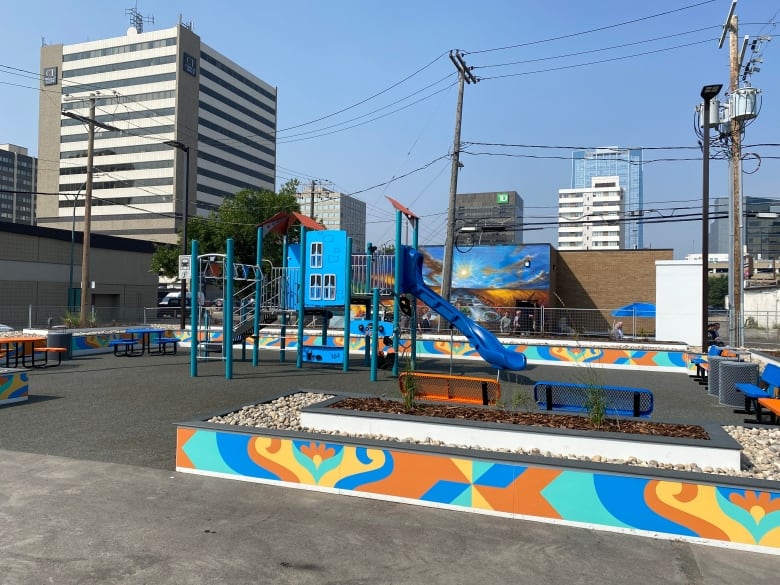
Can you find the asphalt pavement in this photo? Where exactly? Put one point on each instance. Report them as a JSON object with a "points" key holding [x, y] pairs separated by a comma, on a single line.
{"points": [[88, 493]]}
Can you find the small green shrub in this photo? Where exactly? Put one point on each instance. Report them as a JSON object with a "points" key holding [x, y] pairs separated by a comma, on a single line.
{"points": [[596, 405], [71, 319], [410, 388]]}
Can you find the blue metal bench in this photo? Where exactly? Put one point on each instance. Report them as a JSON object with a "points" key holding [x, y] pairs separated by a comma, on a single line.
{"points": [[770, 378], [571, 397], [127, 344]]}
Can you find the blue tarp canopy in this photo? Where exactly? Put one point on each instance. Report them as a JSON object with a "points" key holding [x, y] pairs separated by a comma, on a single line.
{"points": [[635, 310]]}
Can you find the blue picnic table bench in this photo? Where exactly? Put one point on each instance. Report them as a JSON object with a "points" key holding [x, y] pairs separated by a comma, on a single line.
{"points": [[573, 397], [768, 385]]}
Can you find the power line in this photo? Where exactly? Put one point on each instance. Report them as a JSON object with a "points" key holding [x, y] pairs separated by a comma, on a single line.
{"points": [[581, 33]]}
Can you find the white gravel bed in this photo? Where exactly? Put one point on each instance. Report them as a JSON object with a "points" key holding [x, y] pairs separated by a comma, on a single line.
{"points": [[760, 446]]}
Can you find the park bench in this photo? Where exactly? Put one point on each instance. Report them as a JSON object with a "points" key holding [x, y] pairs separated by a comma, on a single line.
{"points": [[572, 397], [128, 344], [440, 387], [162, 344], [773, 406], [768, 386], [46, 351]]}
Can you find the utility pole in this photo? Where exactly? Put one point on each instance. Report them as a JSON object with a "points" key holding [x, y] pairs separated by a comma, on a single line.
{"points": [[464, 76], [735, 167], [85, 245], [311, 201]]}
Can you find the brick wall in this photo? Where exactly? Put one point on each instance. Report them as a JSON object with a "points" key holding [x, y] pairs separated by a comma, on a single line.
{"points": [[588, 279]]}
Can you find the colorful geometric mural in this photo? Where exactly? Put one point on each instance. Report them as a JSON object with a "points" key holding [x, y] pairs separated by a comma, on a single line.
{"points": [[592, 498], [13, 386], [660, 360]]}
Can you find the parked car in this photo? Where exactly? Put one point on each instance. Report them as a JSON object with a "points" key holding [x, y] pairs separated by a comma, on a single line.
{"points": [[5, 328], [171, 304]]}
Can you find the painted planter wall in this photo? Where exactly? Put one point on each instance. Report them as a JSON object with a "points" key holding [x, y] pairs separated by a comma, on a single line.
{"points": [[662, 359], [702, 508], [13, 385]]}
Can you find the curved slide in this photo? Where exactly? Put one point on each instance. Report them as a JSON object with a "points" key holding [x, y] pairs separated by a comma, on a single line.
{"points": [[486, 344]]}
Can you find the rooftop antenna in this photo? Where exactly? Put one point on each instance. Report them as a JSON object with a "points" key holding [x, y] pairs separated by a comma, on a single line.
{"points": [[137, 20]]}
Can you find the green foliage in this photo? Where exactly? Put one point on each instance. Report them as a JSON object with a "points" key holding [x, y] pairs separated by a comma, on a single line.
{"points": [[71, 319], [717, 291], [410, 388], [237, 218], [596, 405], [595, 396]]}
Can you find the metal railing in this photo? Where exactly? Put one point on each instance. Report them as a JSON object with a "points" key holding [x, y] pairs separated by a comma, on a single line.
{"points": [[761, 328]]}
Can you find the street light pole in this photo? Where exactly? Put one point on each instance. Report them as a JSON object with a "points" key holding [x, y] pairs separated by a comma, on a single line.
{"points": [[708, 92], [185, 209]]}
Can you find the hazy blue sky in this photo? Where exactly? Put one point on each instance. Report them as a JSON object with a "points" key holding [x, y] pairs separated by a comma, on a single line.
{"points": [[367, 93]]}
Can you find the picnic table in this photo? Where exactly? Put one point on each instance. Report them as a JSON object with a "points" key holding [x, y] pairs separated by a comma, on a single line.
{"points": [[19, 349], [151, 339]]}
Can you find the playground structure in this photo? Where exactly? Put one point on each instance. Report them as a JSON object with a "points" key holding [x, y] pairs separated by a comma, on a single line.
{"points": [[321, 277]]}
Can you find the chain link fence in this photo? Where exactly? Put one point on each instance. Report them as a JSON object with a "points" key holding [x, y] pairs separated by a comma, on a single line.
{"points": [[761, 328]]}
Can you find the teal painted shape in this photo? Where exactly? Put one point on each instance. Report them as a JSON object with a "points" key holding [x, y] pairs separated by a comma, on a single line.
{"points": [[203, 451], [575, 498]]}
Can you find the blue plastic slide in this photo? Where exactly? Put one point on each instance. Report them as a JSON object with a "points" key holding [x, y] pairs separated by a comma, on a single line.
{"points": [[486, 344]]}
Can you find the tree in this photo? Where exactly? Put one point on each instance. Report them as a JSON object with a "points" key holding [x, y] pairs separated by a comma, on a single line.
{"points": [[717, 290], [237, 218]]}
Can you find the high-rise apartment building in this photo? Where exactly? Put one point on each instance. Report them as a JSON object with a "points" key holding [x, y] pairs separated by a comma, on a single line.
{"points": [[336, 211], [18, 184], [489, 219], [590, 219], [175, 105], [626, 164]]}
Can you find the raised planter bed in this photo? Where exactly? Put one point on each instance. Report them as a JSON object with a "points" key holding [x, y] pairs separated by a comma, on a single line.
{"points": [[720, 450], [704, 508]]}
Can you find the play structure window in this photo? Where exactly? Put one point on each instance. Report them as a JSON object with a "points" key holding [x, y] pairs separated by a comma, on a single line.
{"points": [[315, 287], [315, 255], [329, 288]]}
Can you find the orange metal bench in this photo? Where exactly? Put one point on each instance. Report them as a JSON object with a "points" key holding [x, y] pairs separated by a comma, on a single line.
{"points": [[441, 387]]}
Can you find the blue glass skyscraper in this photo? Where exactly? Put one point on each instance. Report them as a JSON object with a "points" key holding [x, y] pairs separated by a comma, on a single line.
{"points": [[610, 162]]}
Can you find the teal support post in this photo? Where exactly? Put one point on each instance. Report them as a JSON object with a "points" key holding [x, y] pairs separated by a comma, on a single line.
{"points": [[227, 317], [415, 316], [258, 288], [347, 305], [397, 290], [195, 284], [369, 262], [283, 301], [301, 297], [374, 331]]}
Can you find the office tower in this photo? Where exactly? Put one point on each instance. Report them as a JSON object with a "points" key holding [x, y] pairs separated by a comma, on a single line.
{"points": [[18, 184], [164, 102], [336, 211], [626, 164], [491, 218]]}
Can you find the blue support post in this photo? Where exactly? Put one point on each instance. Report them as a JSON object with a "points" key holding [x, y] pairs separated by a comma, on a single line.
{"points": [[195, 285], [369, 262], [347, 305], [227, 317], [397, 290], [258, 287], [283, 301], [304, 254], [374, 331], [413, 352]]}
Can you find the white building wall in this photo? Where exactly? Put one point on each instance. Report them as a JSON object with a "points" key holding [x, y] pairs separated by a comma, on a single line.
{"points": [[678, 301]]}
